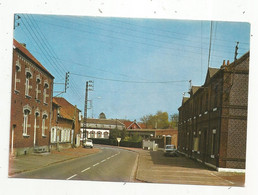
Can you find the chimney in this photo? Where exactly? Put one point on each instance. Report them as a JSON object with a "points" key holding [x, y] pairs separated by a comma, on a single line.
{"points": [[223, 65], [227, 62], [23, 44]]}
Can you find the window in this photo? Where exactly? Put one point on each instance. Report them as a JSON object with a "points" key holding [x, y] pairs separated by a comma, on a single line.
{"points": [[213, 137], [16, 74], [38, 81], [106, 135], [196, 143], [68, 135], [199, 140], [25, 122], [53, 135], [99, 134], [216, 97], [44, 127], [92, 134], [27, 83], [45, 95]]}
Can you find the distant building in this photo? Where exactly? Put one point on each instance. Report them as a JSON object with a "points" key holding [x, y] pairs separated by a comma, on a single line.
{"points": [[158, 135], [131, 124], [100, 128], [65, 130], [31, 103], [213, 120]]}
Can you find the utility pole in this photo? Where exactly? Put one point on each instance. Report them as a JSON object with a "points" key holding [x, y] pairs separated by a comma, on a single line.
{"points": [[89, 87], [236, 49], [14, 20], [210, 45], [67, 74], [66, 81]]}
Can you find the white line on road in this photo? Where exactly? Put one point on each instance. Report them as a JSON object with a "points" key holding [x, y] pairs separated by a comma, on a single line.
{"points": [[85, 169], [108, 158], [222, 178], [71, 177], [103, 160], [96, 164]]}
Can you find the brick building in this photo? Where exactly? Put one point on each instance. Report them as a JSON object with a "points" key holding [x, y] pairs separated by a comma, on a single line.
{"points": [[65, 124], [31, 103], [213, 120]]}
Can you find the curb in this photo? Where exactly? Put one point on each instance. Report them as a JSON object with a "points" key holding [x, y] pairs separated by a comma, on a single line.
{"points": [[49, 164]]}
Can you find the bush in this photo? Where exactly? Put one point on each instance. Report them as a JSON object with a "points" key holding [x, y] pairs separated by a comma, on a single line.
{"points": [[131, 144], [113, 142]]}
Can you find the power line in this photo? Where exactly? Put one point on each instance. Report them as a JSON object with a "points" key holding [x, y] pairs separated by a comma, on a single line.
{"points": [[163, 30], [126, 81], [47, 50], [129, 41], [42, 49]]}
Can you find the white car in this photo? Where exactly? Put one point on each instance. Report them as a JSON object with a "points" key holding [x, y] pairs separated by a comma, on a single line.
{"points": [[88, 143], [170, 150]]}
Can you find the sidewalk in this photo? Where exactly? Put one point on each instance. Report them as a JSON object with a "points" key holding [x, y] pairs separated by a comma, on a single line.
{"points": [[38, 160], [154, 167]]}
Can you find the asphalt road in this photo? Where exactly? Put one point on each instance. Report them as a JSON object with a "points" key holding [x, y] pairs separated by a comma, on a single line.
{"points": [[110, 164]]}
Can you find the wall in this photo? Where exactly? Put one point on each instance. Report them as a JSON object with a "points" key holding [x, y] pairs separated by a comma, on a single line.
{"points": [[20, 101]]}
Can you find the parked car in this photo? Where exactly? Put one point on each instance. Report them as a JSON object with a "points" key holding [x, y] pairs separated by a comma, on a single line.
{"points": [[170, 150], [88, 143]]}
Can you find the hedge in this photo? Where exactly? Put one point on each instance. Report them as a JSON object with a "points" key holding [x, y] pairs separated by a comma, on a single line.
{"points": [[113, 142]]}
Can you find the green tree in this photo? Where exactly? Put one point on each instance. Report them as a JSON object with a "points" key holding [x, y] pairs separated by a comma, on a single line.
{"points": [[134, 138], [157, 121], [174, 121], [114, 133], [123, 134]]}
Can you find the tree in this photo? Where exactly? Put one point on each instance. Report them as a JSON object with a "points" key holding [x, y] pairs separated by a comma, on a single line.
{"points": [[123, 134], [174, 120], [157, 121], [102, 115], [114, 133]]}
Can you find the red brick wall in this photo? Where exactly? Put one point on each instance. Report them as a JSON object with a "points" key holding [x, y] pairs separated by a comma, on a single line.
{"points": [[227, 93], [19, 100]]}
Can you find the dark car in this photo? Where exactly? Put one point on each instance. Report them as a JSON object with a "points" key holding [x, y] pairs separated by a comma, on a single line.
{"points": [[170, 150]]}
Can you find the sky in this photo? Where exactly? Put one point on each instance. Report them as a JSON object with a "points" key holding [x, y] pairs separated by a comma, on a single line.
{"points": [[139, 66]]}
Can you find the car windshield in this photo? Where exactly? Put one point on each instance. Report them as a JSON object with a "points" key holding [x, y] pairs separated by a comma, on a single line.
{"points": [[170, 147]]}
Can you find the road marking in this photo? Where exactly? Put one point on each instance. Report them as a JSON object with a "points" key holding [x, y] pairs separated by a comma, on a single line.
{"points": [[71, 177], [85, 169], [108, 158], [103, 160], [222, 178], [96, 164]]}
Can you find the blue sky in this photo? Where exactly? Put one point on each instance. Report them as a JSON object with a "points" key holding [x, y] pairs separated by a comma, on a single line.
{"points": [[139, 66]]}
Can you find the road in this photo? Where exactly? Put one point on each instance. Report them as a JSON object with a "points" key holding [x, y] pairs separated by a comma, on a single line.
{"points": [[110, 164]]}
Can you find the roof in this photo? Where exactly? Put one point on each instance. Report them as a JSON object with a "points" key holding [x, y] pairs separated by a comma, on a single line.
{"points": [[131, 124], [104, 121], [55, 102], [185, 99], [195, 88], [212, 71], [153, 130], [67, 109], [23, 49]]}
